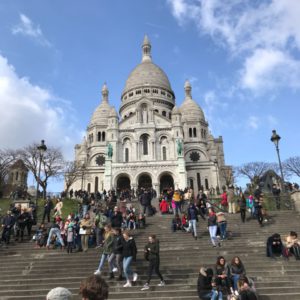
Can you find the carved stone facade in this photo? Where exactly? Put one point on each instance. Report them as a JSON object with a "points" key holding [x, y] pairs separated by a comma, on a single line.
{"points": [[144, 139]]}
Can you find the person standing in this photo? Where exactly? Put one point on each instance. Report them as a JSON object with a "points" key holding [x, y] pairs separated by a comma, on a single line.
{"points": [[212, 227], [243, 206], [47, 209], [231, 200], [7, 224], [129, 252], [85, 231], [152, 253]]}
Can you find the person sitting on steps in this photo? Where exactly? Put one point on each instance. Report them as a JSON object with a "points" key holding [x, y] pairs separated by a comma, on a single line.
{"points": [[293, 244], [204, 283], [274, 246]]}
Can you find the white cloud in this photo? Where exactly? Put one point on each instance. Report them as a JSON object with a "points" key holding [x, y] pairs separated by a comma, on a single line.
{"points": [[253, 122], [30, 113], [27, 28], [265, 34], [268, 68]]}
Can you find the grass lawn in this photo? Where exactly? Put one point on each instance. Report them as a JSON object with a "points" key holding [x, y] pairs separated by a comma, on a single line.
{"points": [[70, 206]]}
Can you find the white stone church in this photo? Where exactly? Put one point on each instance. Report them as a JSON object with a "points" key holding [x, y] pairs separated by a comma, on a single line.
{"points": [[152, 142]]}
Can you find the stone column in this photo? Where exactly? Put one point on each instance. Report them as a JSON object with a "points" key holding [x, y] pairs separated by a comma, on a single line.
{"points": [[108, 174]]}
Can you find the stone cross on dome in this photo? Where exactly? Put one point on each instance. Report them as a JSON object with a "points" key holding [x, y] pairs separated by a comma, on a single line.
{"points": [[146, 49], [104, 93], [188, 89]]}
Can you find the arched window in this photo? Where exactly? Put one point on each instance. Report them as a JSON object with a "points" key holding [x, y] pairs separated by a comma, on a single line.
{"points": [[164, 153], [99, 136], [145, 143], [206, 184], [126, 155], [195, 132], [190, 132], [191, 183], [164, 113], [17, 175], [156, 110], [103, 136], [96, 184]]}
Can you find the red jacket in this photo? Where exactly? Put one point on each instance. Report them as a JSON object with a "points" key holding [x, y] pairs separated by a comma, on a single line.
{"points": [[164, 206]]}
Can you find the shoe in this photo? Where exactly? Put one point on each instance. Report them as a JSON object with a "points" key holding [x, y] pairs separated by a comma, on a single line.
{"points": [[97, 272], [115, 270], [135, 277], [162, 283], [127, 284], [145, 287], [236, 293]]}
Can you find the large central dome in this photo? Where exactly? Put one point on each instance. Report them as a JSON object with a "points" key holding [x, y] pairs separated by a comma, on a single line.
{"points": [[147, 73]]}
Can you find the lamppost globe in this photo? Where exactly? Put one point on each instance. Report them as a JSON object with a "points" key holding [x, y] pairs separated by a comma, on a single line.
{"points": [[275, 138]]}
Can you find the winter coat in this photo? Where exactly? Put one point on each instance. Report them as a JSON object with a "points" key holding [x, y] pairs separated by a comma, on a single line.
{"points": [[129, 248], [108, 243], [116, 220], [154, 250], [117, 246], [192, 213], [164, 206], [86, 224], [204, 283], [237, 269]]}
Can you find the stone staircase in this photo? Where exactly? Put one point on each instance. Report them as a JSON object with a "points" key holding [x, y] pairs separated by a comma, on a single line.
{"points": [[28, 273]]}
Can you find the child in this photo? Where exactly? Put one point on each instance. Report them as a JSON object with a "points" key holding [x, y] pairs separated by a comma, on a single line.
{"points": [[70, 237]]}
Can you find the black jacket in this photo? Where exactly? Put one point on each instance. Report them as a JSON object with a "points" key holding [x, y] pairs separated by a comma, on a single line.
{"points": [[203, 284], [118, 244], [129, 248], [116, 220], [154, 250]]}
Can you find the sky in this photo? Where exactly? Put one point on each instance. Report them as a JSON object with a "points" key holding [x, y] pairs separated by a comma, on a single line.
{"points": [[241, 56]]}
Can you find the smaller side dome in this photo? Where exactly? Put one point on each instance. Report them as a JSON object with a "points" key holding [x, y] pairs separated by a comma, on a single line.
{"points": [[175, 110], [189, 109], [113, 113]]}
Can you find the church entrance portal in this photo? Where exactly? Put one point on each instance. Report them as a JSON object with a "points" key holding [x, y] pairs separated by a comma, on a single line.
{"points": [[145, 181], [166, 182], [123, 182]]}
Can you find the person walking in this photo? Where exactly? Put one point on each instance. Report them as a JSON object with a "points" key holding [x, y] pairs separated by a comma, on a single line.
{"points": [[212, 227], [107, 251], [193, 219], [152, 254], [243, 206], [129, 254]]}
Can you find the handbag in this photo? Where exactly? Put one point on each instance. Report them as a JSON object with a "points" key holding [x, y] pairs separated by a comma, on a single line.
{"points": [[82, 231]]}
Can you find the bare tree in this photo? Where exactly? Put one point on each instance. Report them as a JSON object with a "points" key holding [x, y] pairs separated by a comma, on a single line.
{"points": [[7, 158], [73, 172], [254, 170], [227, 173], [52, 164], [291, 166]]}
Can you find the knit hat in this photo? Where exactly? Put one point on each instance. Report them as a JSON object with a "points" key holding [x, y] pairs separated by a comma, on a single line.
{"points": [[59, 293]]}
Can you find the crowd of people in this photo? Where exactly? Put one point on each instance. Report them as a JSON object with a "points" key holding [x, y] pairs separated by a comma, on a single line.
{"points": [[107, 221]]}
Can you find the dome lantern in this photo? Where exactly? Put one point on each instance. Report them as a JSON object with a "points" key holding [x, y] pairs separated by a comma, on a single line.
{"points": [[104, 93], [188, 89], [146, 49]]}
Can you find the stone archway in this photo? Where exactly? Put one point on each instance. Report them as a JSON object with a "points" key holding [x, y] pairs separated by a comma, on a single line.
{"points": [[144, 181], [166, 181], [123, 182]]}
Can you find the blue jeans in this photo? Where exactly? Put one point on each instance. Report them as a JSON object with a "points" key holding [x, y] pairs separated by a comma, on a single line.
{"points": [[235, 279], [193, 225], [216, 295], [103, 258], [212, 233], [127, 268], [56, 232], [223, 226]]}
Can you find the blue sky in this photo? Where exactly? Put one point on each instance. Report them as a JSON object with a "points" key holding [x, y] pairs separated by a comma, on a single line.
{"points": [[242, 58]]}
